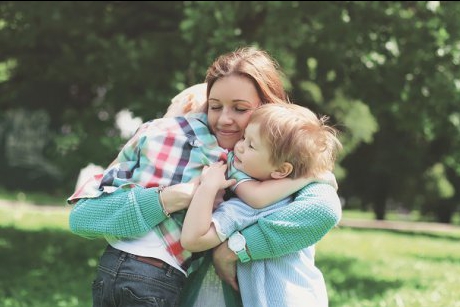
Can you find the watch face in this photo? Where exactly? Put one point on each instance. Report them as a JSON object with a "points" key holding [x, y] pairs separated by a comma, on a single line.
{"points": [[236, 242]]}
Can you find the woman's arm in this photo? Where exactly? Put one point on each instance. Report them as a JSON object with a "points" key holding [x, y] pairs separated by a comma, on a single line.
{"points": [[315, 210], [114, 204], [313, 213], [127, 212]]}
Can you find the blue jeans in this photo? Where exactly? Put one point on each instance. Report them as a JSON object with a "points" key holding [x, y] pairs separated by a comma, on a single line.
{"points": [[123, 281]]}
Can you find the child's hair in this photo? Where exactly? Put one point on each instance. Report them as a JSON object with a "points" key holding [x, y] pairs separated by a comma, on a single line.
{"points": [[255, 64], [296, 135], [190, 100]]}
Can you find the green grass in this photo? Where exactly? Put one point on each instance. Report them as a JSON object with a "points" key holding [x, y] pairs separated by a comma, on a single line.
{"points": [[365, 268], [44, 265], [413, 216], [34, 217], [46, 268], [35, 198]]}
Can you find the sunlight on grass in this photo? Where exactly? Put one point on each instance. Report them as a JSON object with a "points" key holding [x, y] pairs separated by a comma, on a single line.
{"points": [[31, 197], [366, 268], [45, 265], [413, 216], [34, 218]]}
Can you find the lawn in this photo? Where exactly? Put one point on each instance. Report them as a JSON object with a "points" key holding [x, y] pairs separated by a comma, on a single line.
{"points": [[44, 265], [370, 268]]}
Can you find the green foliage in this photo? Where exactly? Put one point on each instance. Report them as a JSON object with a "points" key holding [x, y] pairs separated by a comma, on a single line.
{"points": [[386, 73], [441, 187]]}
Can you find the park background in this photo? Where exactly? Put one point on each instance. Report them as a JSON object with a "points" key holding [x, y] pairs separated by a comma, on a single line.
{"points": [[77, 78]]}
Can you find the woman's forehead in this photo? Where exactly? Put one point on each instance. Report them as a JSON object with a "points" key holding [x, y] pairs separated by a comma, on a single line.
{"points": [[234, 88]]}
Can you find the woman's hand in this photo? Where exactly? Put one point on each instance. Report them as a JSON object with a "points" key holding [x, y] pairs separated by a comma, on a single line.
{"points": [[178, 196], [224, 260]]}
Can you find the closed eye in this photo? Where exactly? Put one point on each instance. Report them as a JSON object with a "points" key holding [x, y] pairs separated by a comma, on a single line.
{"points": [[242, 110]]}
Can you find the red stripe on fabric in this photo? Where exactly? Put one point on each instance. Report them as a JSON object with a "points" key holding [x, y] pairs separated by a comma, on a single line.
{"points": [[96, 178], [223, 157], [175, 249], [163, 155]]}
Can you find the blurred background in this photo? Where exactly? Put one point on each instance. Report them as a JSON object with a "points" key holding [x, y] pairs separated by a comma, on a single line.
{"points": [[77, 78]]}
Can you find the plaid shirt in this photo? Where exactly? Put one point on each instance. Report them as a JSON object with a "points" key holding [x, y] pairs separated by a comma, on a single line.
{"points": [[165, 152]]}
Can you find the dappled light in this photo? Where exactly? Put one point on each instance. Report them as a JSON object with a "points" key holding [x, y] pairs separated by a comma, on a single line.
{"points": [[46, 268]]}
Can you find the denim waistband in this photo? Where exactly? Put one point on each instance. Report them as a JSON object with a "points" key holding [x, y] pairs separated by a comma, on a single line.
{"points": [[169, 269]]}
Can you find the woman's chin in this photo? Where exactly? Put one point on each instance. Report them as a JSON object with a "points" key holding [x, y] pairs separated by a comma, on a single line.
{"points": [[227, 143]]}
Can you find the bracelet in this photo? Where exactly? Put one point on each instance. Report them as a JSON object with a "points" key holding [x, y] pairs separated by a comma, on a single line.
{"points": [[161, 189]]}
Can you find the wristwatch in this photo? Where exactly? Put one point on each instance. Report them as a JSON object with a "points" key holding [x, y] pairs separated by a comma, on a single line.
{"points": [[237, 243]]}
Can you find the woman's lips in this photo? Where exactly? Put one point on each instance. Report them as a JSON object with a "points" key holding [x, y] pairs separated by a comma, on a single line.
{"points": [[227, 132]]}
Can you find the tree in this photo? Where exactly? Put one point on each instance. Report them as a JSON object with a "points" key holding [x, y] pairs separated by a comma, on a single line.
{"points": [[386, 73]]}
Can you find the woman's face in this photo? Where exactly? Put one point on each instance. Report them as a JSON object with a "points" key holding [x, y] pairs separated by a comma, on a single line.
{"points": [[231, 102]]}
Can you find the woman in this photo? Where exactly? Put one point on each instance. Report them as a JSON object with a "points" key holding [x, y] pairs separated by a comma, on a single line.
{"points": [[237, 83]]}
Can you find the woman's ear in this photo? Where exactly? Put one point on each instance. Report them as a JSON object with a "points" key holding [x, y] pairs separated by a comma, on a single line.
{"points": [[284, 170]]}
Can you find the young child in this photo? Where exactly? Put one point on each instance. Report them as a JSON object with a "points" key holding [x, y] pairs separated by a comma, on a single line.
{"points": [[280, 141]]}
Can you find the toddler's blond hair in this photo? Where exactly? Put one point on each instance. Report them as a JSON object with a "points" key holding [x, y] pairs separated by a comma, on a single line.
{"points": [[298, 136]]}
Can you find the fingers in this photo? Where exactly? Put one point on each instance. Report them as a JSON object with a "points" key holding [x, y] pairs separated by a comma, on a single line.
{"points": [[225, 264], [216, 165], [234, 284], [227, 277], [229, 183]]}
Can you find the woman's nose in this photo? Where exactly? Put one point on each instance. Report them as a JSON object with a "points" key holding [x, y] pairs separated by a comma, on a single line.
{"points": [[225, 117]]}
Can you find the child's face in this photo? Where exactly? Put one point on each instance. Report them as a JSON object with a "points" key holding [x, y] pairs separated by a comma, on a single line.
{"points": [[252, 154]]}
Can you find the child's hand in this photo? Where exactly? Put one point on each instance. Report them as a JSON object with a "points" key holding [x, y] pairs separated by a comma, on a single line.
{"points": [[326, 177], [214, 176]]}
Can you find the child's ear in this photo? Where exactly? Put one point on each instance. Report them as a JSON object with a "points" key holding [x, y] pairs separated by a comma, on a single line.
{"points": [[283, 171]]}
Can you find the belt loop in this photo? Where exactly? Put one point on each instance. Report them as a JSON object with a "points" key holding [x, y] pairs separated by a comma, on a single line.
{"points": [[169, 270], [123, 255]]}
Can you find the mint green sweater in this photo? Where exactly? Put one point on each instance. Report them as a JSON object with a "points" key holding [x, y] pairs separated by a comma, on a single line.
{"points": [[315, 210]]}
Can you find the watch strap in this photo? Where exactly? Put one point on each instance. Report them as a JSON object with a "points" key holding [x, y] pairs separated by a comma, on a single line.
{"points": [[243, 255]]}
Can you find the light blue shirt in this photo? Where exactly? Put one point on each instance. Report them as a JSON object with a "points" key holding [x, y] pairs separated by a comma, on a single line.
{"points": [[288, 281]]}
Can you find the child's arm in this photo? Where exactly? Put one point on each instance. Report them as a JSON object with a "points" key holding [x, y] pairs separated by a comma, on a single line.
{"points": [[259, 194], [198, 232]]}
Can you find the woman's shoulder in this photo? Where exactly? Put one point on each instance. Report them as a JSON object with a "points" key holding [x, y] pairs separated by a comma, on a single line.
{"points": [[190, 124], [320, 193], [318, 187]]}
